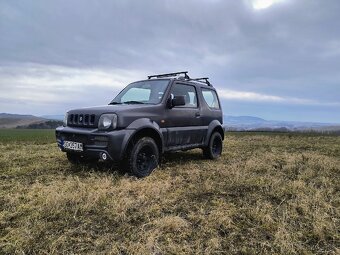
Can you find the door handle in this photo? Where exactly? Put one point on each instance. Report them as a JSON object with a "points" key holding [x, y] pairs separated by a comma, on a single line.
{"points": [[197, 114]]}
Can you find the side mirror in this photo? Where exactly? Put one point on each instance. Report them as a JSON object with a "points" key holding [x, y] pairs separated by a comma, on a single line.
{"points": [[177, 101]]}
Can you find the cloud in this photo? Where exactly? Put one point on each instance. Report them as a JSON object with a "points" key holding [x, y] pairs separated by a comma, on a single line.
{"points": [[51, 85], [263, 4], [57, 87], [248, 96], [65, 78], [286, 54], [258, 97]]}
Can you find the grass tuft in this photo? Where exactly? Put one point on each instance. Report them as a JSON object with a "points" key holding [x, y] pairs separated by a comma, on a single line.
{"points": [[276, 194]]}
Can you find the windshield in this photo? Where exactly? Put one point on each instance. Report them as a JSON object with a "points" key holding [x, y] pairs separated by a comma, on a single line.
{"points": [[142, 92]]}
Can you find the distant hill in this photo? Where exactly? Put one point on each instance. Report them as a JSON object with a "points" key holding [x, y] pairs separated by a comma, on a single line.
{"points": [[231, 123], [53, 117], [250, 123], [243, 120], [13, 120], [8, 120], [49, 124]]}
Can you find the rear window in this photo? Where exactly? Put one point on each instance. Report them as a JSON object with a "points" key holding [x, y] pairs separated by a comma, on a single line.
{"points": [[210, 97]]}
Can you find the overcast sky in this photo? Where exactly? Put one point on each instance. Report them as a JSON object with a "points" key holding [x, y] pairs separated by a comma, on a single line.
{"points": [[275, 59]]}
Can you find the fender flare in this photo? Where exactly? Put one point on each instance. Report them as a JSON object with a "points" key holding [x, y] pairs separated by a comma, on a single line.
{"points": [[139, 125], [214, 125]]}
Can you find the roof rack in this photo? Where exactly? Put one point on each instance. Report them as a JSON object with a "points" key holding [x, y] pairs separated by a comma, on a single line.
{"points": [[203, 80], [186, 76]]}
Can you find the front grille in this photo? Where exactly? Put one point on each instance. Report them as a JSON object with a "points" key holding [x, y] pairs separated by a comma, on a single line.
{"points": [[96, 140], [100, 141], [82, 120], [80, 138]]}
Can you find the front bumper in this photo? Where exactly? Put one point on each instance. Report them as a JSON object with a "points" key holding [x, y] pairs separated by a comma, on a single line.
{"points": [[95, 142]]}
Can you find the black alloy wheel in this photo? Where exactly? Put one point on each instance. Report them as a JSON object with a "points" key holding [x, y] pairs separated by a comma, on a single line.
{"points": [[143, 158], [214, 148]]}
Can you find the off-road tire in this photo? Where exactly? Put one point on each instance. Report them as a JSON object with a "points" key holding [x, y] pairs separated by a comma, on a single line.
{"points": [[214, 148], [142, 157]]}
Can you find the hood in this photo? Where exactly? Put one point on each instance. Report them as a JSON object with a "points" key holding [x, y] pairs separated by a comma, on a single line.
{"points": [[127, 113], [107, 109]]}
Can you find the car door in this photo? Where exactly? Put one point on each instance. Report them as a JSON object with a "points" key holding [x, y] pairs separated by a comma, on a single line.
{"points": [[183, 123]]}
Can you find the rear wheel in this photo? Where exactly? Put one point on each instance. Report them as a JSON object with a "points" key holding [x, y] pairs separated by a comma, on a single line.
{"points": [[143, 157], [214, 148]]}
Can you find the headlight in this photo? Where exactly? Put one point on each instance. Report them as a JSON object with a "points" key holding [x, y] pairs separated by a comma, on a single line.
{"points": [[107, 120], [65, 120]]}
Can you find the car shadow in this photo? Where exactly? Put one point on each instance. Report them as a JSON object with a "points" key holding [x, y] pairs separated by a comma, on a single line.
{"points": [[181, 157], [167, 159], [97, 167]]}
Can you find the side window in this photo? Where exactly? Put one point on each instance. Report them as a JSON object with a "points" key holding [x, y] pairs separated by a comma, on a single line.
{"points": [[189, 93], [210, 98]]}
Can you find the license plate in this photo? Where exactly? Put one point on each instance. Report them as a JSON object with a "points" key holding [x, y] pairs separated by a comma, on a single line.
{"points": [[74, 146]]}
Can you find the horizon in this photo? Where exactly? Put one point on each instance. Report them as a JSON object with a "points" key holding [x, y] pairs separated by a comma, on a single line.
{"points": [[272, 59], [224, 115]]}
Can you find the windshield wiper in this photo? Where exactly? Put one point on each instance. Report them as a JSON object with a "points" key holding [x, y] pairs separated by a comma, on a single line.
{"points": [[133, 102], [115, 103]]}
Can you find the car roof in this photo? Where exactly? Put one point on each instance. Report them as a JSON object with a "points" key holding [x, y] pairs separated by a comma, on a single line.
{"points": [[182, 76], [182, 80]]}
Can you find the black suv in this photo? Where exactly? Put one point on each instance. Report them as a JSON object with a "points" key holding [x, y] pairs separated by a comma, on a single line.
{"points": [[166, 112]]}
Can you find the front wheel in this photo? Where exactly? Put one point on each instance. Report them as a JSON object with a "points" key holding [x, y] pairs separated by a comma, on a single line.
{"points": [[143, 157], [214, 148]]}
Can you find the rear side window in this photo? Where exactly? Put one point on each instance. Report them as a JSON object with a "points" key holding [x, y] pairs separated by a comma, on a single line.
{"points": [[210, 97], [189, 93]]}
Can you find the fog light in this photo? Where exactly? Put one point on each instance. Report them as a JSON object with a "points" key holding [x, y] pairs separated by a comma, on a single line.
{"points": [[104, 156]]}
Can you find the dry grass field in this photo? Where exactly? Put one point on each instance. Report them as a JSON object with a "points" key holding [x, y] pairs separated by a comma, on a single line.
{"points": [[268, 194]]}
